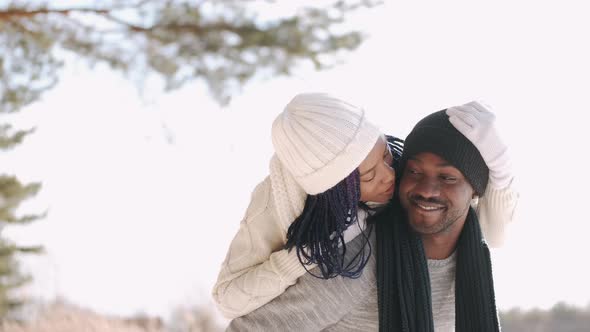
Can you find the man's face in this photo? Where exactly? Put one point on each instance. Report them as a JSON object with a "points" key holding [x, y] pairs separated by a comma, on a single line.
{"points": [[435, 194]]}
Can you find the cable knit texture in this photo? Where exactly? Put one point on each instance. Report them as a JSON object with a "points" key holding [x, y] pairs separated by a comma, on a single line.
{"points": [[256, 268]]}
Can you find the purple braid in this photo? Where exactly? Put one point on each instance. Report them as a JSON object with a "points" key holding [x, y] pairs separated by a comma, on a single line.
{"points": [[317, 234]]}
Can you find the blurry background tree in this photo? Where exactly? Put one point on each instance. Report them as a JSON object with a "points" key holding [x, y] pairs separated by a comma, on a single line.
{"points": [[562, 317], [222, 43], [12, 192]]}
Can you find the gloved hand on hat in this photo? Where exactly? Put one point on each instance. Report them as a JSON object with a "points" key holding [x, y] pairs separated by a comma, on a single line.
{"points": [[476, 122]]}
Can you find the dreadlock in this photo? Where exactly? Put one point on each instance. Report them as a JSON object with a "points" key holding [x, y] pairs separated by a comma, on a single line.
{"points": [[318, 233]]}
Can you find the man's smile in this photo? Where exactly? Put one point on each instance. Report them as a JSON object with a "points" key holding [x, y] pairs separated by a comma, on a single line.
{"points": [[427, 206]]}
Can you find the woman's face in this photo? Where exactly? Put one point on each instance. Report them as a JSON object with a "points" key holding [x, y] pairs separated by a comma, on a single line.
{"points": [[377, 175]]}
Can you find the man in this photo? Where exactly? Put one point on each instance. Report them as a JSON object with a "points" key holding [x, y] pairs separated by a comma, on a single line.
{"points": [[434, 269], [430, 256]]}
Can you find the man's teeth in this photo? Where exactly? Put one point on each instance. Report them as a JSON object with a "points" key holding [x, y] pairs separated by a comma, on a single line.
{"points": [[429, 208]]}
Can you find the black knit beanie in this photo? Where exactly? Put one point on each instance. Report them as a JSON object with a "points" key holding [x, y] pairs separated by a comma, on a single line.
{"points": [[436, 134]]}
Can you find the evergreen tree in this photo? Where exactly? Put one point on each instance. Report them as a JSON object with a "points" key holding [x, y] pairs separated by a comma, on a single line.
{"points": [[12, 193]]}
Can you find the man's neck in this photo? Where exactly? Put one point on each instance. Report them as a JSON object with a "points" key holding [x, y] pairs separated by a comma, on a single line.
{"points": [[437, 247]]}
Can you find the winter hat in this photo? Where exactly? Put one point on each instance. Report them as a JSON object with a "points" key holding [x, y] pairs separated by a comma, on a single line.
{"points": [[436, 134], [321, 139]]}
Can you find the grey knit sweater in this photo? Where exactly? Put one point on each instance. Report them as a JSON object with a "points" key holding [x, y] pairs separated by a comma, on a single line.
{"points": [[344, 304]]}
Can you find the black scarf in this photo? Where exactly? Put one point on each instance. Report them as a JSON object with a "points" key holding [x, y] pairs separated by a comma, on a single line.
{"points": [[405, 302]]}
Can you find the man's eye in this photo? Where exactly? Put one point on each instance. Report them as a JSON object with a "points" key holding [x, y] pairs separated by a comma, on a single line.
{"points": [[449, 179]]}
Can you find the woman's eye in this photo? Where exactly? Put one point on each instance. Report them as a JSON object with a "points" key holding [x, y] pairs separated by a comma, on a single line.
{"points": [[369, 179]]}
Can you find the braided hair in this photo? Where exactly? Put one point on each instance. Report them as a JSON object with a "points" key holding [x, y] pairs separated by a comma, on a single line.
{"points": [[318, 233]]}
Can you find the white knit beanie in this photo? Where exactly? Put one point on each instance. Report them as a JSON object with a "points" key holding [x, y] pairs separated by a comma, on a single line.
{"points": [[321, 139]]}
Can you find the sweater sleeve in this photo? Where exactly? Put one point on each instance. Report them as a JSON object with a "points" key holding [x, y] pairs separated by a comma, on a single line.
{"points": [[495, 211], [256, 268]]}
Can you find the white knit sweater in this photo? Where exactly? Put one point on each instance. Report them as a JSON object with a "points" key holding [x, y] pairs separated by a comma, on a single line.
{"points": [[257, 268]]}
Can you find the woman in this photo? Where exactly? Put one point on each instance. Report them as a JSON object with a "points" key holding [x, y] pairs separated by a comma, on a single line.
{"points": [[331, 169]]}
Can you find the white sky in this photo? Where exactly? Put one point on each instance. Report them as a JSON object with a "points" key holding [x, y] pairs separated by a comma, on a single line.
{"points": [[145, 195]]}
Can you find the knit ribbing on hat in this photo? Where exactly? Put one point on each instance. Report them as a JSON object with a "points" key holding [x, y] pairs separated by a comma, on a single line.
{"points": [[436, 134], [321, 139]]}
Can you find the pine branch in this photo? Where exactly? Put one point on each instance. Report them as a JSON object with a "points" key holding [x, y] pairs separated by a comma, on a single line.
{"points": [[18, 13]]}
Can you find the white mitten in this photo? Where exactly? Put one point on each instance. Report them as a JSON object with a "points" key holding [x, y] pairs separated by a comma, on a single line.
{"points": [[476, 122]]}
